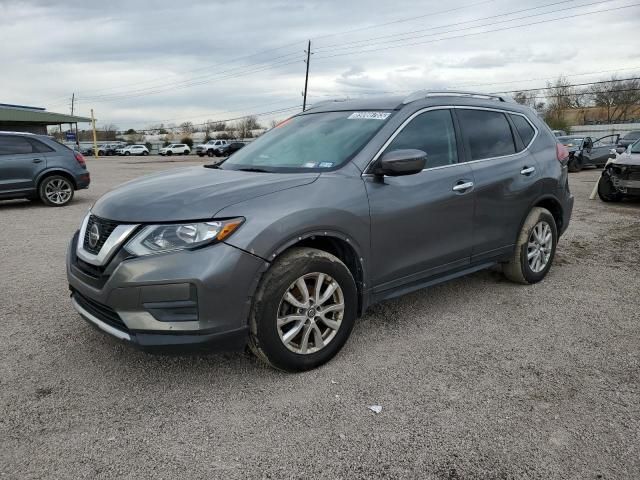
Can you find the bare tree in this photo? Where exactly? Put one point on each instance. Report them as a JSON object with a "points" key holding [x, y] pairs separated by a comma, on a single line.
{"points": [[529, 98], [186, 128], [618, 97]]}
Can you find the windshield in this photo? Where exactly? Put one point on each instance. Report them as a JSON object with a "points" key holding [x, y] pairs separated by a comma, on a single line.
{"points": [[632, 135], [635, 147], [570, 141], [312, 142]]}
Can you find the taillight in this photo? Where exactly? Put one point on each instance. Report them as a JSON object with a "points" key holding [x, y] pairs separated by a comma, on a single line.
{"points": [[80, 159], [562, 152]]}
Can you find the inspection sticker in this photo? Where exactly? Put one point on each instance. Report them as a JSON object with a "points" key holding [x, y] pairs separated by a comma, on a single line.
{"points": [[325, 164], [369, 116]]}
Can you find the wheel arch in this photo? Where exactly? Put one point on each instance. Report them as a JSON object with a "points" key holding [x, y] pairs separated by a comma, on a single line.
{"points": [[337, 244], [554, 206], [55, 171]]}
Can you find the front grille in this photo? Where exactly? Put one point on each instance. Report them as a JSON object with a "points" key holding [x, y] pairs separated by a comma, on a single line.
{"points": [[105, 227], [102, 312]]}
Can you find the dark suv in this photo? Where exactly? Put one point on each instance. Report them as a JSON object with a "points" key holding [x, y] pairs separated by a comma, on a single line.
{"points": [[287, 242], [35, 166]]}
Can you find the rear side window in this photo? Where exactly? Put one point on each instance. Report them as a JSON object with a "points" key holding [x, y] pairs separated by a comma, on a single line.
{"points": [[488, 133], [40, 147], [524, 128], [433, 133], [14, 145]]}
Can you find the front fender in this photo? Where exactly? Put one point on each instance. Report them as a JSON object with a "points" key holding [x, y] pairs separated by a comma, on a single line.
{"points": [[333, 205]]}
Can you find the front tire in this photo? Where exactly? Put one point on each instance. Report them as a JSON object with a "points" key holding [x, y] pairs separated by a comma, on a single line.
{"points": [[535, 248], [56, 191], [606, 190], [304, 310], [575, 164], [169, 153], [209, 153]]}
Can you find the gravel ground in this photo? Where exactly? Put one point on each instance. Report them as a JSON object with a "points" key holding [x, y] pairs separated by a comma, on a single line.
{"points": [[478, 378]]}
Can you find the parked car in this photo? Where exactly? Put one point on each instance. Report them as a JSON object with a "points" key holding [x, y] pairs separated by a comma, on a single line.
{"points": [[629, 138], [107, 149], [584, 152], [36, 166], [133, 150], [175, 149], [559, 133], [229, 148], [210, 148], [288, 241], [621, 176]]}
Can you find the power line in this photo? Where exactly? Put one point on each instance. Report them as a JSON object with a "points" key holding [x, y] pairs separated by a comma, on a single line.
{"points": [[564, 18], [570, 85], [367, 40]]}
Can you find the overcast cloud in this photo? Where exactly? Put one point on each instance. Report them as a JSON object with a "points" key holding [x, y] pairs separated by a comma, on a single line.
{"points": [[142, 63]]}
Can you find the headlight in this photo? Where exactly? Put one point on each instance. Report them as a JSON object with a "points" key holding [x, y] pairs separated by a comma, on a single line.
{"points": [[154, 239]]}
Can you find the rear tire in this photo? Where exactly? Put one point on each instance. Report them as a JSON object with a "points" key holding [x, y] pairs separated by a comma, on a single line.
{"points": [[535, 248], [281, 319], [56, 191]]}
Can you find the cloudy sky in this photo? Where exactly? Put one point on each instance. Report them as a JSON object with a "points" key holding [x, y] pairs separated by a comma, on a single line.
{"points": [[143, 63]]}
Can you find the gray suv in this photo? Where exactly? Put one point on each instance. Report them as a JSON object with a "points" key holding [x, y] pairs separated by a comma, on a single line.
{"points": [[35, 166], [350, 203]]}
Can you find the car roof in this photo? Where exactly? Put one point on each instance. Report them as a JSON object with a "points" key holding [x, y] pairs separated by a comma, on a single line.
{"points": [[423, 98], [7, 132]]}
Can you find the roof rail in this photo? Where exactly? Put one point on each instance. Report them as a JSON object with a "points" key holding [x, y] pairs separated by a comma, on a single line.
{"points": [[421, 94]]}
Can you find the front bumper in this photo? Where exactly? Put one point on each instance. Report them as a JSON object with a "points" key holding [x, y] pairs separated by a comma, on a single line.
{"points": [[187, 300]]}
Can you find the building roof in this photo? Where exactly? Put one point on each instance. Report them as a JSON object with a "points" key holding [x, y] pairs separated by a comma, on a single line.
{"points": [[36, 115]]}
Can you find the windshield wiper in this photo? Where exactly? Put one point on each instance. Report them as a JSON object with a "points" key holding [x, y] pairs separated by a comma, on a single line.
{"points": [[252, 169], [212, 165]]}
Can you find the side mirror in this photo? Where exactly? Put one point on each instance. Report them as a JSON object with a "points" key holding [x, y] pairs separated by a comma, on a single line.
{"points": [[401, 162]]}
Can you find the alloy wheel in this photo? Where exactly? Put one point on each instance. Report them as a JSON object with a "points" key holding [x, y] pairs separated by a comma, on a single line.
{"points": [[58, 191], [539, 247], [310, 313]]}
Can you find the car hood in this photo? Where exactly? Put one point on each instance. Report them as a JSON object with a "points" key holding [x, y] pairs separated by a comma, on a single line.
{"points": [[194, 193], [627, 159]]}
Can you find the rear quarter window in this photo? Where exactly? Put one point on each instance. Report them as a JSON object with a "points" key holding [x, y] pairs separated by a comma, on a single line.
{"points": [[524, 128], [487, 133]]}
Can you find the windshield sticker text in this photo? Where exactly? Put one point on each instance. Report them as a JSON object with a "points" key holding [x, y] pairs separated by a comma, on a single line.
{"points": [[369, 116]]}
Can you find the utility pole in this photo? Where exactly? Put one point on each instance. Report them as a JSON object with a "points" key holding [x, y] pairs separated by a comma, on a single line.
{"points": [[95, 140], [306, 77], [73, 101]]}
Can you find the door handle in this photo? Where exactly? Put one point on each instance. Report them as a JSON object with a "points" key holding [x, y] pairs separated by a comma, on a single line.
{"points": [[37, 160], [527, 170], [461, 187]]}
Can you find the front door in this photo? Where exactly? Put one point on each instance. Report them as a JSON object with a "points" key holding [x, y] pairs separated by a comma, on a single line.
{"points": [[421, 224]]}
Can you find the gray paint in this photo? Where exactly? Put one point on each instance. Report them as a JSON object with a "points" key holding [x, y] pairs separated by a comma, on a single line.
{"points": [[406, 231]]}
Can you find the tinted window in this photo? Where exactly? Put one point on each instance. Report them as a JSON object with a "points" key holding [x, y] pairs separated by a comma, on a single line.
{"points": [[524, 128], [40, 147], [14, 145], [488, 133], [433, 133]]}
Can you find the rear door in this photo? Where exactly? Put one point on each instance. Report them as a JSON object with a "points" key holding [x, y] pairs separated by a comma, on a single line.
{"points": [[21, 160], [421, 224], [505, 173]]}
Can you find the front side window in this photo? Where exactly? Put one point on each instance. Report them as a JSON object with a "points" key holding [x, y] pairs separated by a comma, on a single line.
{"points": [[311, 142], [488, 133], [14, 145], [433, 133]]}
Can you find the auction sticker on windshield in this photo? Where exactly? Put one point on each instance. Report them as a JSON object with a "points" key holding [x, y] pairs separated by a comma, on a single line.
{"points": [[369, 116]]}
